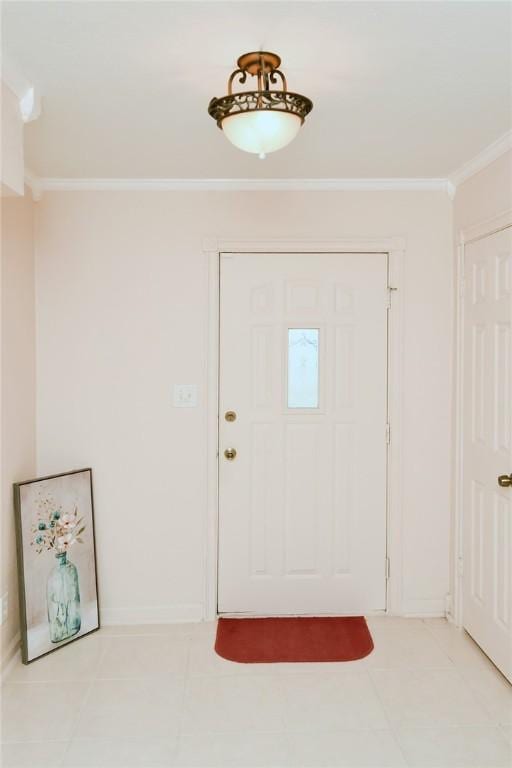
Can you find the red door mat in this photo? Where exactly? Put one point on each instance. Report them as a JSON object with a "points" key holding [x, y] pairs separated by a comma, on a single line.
{"points": [[303, 638]]}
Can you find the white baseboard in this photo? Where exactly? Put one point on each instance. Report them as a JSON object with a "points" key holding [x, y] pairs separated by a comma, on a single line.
{"points": [[158, 614], [9, 656], [423, 609]]}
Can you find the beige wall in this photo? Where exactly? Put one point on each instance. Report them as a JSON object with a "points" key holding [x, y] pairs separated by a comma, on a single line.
{"points": [[17, 384], [122, 315], [11, 159]]}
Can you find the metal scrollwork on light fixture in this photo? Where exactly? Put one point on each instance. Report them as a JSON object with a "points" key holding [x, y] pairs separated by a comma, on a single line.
{"points": [[252, 100], [262, 120]]}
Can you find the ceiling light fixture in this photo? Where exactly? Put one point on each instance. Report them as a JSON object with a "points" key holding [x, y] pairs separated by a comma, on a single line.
{"points": [[265, 120]]}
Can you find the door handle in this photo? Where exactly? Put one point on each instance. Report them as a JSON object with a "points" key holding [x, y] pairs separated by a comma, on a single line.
{"points": [[230, 454], [505, 481]]}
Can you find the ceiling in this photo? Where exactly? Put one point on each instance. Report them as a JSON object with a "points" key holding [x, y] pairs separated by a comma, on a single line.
{"points": [[401, 89]]}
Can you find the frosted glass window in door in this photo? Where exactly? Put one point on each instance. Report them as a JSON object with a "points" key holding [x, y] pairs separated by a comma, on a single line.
{"points": [[303, 367]]}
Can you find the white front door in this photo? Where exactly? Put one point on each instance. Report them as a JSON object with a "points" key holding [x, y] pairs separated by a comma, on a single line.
{"points": [[303, 402], [487, 448]]}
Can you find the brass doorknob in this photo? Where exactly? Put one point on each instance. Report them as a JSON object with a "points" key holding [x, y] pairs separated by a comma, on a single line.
{"points": [[230, 454], [505, 481]]}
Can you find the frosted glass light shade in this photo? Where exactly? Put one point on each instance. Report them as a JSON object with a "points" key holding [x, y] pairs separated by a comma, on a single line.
{"points": [[261, 131]]}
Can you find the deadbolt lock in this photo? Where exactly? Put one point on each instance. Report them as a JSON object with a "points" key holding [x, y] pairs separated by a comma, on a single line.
{"points": [[230, 416], [505, 481], [230, 454]]}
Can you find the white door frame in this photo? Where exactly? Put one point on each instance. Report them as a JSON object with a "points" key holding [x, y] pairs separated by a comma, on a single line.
{"points": [[465, 237], [395, 248]]}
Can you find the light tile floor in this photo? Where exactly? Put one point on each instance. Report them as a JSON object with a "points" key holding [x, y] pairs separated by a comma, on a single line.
{"points": [[159, 696]]}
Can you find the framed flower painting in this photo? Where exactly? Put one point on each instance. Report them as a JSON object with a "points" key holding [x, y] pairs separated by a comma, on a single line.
{"points": [[56, 561]]}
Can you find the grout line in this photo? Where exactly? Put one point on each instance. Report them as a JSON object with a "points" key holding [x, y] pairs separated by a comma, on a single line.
{"points": [[35, 741], [392, 727], [86, 697], [186, 678], [478, 697], [81, 709], [484, 663], [64, 754], [53, 681]]}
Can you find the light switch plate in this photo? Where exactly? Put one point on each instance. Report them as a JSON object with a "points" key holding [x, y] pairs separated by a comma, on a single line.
{"points": [[185, 395]]}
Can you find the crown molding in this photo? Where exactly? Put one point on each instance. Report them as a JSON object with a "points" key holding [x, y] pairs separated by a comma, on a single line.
{"points": [[38, 185], [236, 185], [482, 160]]}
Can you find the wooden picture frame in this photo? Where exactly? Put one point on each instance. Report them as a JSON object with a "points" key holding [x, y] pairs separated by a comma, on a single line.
{"points": [[57, 573]]}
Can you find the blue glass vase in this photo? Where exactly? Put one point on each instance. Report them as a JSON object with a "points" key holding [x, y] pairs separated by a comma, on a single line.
{"points": [[63, 599]]}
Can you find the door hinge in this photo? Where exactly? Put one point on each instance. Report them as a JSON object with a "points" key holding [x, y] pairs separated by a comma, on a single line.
{"points": [[388, 433], [387, 568], [461, 285], [460, 566], [388, 298]]}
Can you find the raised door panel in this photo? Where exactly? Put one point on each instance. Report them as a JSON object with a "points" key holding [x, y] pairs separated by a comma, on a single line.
{"points": [[260, 499], [487, 448], [302, 500], [502, 547], [503, 388]]}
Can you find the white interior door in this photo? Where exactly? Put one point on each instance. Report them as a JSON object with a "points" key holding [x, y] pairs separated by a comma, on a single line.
{"points": [[303, 366], [487, 448]]}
